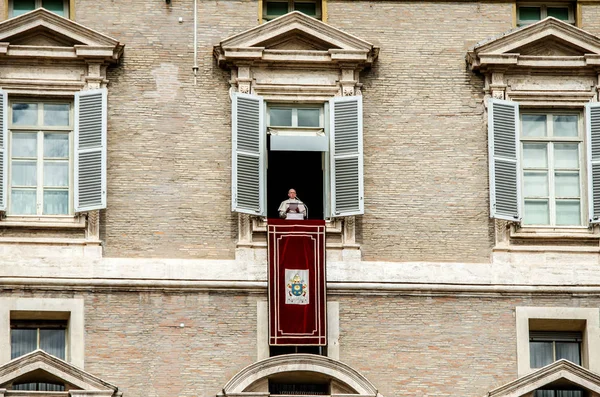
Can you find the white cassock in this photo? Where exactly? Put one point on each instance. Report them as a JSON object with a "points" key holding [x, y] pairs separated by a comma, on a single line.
{"points": [[285, 204]]}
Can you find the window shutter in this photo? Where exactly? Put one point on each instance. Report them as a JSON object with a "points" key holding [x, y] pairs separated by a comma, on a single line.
{"points": [[504, 160], [592, 124], [90, 150], [346, 156], [3, 151], [248, 193]]}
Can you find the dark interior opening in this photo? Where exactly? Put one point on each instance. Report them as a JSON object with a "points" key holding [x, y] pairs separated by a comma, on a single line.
{"points": [[292, 349], [298, 389], [299, 170]]}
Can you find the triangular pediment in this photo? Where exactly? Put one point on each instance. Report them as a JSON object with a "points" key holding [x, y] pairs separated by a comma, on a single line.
{"points": [[39, 366], [301, 36], [547, 40], [561, 374], [40, 29]]}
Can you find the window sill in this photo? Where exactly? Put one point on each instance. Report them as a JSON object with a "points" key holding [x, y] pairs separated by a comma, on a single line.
{"points": [[331, 225], [555, 233], [44, 222]]}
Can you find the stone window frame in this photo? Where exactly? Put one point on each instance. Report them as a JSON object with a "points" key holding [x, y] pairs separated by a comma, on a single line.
{"points": [[543, 5], [46, 308], [590, 346], [261, 7], [69, 8]]}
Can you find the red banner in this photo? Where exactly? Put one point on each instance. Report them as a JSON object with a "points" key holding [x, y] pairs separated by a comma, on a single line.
{"points": [[297, 283]]}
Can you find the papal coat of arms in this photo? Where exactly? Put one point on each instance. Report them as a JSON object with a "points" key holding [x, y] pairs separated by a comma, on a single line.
{"points": [[296, 287]]}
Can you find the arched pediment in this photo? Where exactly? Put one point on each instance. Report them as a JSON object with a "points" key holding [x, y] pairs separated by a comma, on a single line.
{"points": [[43, 34], [560, 374], [295, 38], [550, 43], [41, 366], [323, 367]]}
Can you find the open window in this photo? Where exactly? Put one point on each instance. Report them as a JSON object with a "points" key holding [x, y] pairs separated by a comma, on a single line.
{"points": [[296, 150]]}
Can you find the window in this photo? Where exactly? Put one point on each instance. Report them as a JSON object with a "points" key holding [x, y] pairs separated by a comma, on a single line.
{"points": [[318, 147], [547, 334], [18, 7], [558, 393], [551, 145], [546, 347], [528, 13], [41, 177], [276, 8], [29, 335]]}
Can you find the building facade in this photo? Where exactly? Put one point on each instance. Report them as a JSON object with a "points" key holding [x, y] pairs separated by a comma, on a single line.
{"points": [[450, 146]]}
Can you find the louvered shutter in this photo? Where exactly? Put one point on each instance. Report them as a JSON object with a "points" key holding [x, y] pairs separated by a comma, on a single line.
{"points": [[90, 150], [346, 156], [592, 115], [248, 158], [3, 151], [504, 160]]}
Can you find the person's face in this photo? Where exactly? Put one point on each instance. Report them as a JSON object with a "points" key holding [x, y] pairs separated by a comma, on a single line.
{"points": [[292, 194]]}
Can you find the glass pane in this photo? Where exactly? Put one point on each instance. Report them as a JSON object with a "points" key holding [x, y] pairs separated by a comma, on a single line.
{"points": [[24, 145], [25, 113], [309, 117], [561, 13], [535, 155], [56, 202], [277, 8], [280, 117], [568, 213], [56, 173], [22, 341], [22, 6], [52, 341], [56, 113], [307, 8], [536, 212], [56, 145], [566, 125], [568, 351], [56, 6], [566, 155], [567, 184], [22, 202], [534, 124], [540, 354], [569, 393], [25, 386], [24, 173], [50, 386], [544, 393], [530, 13], [535, 184]]}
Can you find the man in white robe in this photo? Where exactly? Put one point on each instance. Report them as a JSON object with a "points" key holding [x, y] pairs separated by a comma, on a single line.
{"points": [[292, 204]]}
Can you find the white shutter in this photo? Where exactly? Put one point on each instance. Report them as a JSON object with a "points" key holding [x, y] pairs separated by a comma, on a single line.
{"points": [[504, 160], [592, 116], [248, 193], [90, 150], [3, 151], [346, 156]]}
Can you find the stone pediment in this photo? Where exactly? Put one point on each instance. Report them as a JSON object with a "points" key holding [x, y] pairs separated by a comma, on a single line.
{"points": [[561, 374], [39, 366], [550, 43], [43, 34], [295, 38]]}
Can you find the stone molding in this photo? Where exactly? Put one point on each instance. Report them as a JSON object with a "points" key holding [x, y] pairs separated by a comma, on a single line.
{"points": [[333, 369], [87, 383], [559, 370]]}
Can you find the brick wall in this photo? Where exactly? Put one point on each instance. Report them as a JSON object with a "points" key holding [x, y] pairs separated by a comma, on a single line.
{"points": [[405, 345]]}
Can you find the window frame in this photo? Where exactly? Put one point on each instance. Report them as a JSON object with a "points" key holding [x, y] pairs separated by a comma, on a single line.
{"points": [[543, 6], [318, 8], [558, 316], [550, 140], [45, 309], [40, 130], [295, 107], [38, 4]]}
